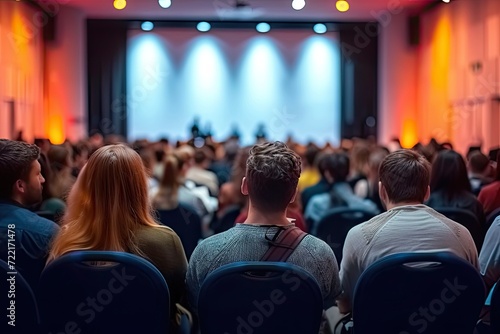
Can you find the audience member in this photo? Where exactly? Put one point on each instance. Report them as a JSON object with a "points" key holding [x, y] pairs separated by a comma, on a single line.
{"points": [[171, 190], [489, 196], [479, 171], [21, 230], [407, 226], [310, 174], [271, 181], [450, 186], [489, 257], [322, 186], [108, 209], [359, 156], [340, 193], [368, 188], [50, 205], [62, 167], [199, 174]]}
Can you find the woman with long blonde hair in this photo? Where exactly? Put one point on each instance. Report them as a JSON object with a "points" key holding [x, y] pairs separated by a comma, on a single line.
{"points": [[108, 209]]}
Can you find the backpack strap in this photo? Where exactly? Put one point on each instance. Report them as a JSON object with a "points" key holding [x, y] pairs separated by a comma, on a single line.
{"points": [[284, 245]]}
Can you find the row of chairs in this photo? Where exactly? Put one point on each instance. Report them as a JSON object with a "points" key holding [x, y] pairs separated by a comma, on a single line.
{"points": [[127, 294]]}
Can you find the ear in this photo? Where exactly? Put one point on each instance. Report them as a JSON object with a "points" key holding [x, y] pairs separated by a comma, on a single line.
{"points": [[19, 187], [244, 186], [328, 177], [382, 192], [427, 194]]}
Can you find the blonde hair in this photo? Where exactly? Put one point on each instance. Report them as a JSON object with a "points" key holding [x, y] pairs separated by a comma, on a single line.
{"points": [[107, 204]]}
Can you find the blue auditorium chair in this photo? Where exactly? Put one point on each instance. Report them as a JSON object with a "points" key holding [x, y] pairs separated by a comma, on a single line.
{"points": [[18, 303], [333, 227], [431, 293], [103, 292], [469, 220], [260, 298], [186, 223]]}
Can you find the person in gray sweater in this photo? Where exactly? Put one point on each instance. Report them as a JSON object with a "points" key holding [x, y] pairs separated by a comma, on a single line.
{"points": [[270, 182]]}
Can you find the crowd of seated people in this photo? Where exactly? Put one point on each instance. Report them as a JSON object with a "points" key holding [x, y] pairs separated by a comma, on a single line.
{"points": [[214, 180]]}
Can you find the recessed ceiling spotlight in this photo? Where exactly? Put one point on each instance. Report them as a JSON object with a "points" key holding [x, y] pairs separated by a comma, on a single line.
{"points": [[342, 5], [263, 27], [298, 4], [165, 3], [320, 28], [147, 25], [203, 26], [119, 4]]}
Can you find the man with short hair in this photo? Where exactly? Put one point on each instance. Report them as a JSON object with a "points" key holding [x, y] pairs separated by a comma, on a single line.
{"points": [[24, 236], [407, 226], [271, 179]]}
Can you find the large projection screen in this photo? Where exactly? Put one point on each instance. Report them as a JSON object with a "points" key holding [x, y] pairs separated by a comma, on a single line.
{"points": [[234, 80]]}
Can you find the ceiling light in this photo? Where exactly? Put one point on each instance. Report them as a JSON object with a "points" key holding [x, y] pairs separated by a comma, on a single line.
{"points": [[147, 25], [165, 3], [119, 4], [298, 4], [342, 5], [447, 1], [319, 28], [263, 27], [203, 26]]}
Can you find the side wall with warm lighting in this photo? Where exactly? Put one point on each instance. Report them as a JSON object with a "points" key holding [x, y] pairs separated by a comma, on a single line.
{"points": [[21, 71], [398, 102], [65, 77], [447, 86]]}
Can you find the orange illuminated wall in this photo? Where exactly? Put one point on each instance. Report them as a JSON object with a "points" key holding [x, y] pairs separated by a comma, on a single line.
{"points": [[21, 71]]}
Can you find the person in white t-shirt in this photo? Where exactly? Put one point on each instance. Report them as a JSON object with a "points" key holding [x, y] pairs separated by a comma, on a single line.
{"points": [[407, 226]]}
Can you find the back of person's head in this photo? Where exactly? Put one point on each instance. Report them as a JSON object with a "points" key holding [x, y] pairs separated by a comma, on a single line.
{"points": [[172, 166], [108, 202], [200, 156], [310, 154], [337, 165], [360, 154], [449, 173], [405, 176], [16, 161], [478, 162], [272, 174], [59, 157]]}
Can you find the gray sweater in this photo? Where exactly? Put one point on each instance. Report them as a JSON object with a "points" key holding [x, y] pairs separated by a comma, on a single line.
{"points": [[248, 243]]}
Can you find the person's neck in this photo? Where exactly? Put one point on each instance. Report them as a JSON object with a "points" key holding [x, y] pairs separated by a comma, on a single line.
{"points": [[390, 205], [257, 217]]}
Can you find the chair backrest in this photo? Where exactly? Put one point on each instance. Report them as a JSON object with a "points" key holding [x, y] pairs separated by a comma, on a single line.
{"points": [[418, 293], [260, 298], [18, 301], [227, 220], [469, 220], [123, 294], [332, 228], [186, 223]]}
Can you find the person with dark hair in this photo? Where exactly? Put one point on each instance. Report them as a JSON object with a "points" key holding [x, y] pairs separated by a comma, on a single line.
{"points": [[489, 196], [21, 187], [407, 226], [199, 173], [340, 193], [479, 171], [310, 174], [321, 186], [270, 182], [450, 186]]}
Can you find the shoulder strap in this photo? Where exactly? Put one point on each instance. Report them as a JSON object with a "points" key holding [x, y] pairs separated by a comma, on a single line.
{"points": [[280, 249]]}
